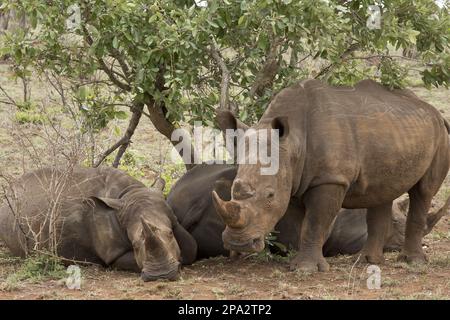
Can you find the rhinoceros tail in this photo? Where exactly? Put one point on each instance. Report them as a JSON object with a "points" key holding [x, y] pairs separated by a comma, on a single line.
{"points": [[434, 217]]}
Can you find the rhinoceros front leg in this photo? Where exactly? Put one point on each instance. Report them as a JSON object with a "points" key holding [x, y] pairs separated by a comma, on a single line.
{"points": [[322, 204], [126, 262], [378, 226]]}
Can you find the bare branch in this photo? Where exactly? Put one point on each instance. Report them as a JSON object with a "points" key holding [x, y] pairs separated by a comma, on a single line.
{"points": [[73, 261], [13, 210], [8, 103], [225, 83], [382, 56], [124, 142], [12, 101]]}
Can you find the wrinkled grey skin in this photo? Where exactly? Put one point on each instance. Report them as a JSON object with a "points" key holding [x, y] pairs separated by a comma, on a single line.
{"points": [[340, 147], [104, 216], [191, 201]]}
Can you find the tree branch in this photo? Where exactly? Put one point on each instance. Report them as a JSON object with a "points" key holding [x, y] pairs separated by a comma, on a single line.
{"points": [[125, 141], [157, 113], [109, 72], [268, 72], [12, 101], [352, 48], [382, 56], [225, 83], [126, 70]]}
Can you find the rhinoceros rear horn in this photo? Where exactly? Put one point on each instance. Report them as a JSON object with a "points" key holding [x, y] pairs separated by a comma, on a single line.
{"points": [[229, 211], [159, 183]]}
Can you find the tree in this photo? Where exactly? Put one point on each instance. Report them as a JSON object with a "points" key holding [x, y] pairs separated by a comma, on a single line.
{"points": [[175, 62]]}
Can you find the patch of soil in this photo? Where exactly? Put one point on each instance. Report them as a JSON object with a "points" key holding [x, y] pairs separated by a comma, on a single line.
{"points": [[258, 278]]}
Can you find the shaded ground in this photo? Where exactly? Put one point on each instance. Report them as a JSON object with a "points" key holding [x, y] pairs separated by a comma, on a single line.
{"points": [[253, 278], [257, 278]]}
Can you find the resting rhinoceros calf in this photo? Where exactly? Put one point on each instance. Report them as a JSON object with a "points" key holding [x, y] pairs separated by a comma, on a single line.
{"points": [[350, 147], [102, 216], [191, 201]]}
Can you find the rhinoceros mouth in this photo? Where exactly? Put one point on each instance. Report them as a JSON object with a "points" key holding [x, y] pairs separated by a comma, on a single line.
{"points": [[252, 245], [172, 275]]}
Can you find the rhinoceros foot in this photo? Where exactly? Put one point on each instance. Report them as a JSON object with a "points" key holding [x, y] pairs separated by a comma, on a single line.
{"points": [[367, 257], [413, 259], [309, 265]]}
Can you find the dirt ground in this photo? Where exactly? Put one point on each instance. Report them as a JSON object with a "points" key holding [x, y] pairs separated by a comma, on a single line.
{"points": [[256, 277]]}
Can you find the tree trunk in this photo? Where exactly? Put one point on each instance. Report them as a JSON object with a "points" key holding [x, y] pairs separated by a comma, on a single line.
{"points": [[157, 115], [4, 21]]}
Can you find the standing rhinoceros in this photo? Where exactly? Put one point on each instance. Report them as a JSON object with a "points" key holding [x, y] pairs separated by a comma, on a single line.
{"points": [[101, 215], [191, 201], [351, 147]]}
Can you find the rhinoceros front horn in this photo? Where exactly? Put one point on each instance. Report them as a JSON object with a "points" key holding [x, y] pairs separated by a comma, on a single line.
{"points": [[229, 211]]}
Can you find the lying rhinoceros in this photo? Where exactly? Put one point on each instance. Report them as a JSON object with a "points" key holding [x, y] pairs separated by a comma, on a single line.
{"points": [[339, 147], [101, 215], [191, 201]]}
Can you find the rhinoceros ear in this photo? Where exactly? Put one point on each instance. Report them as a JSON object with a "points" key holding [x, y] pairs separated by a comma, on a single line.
{"points": [[226, 120], [282, 125], [223, 188], [186, 243], [116, 204]]}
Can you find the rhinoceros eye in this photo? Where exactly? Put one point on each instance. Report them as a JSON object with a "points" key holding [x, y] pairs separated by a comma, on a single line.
{"points": [[269, 193]]}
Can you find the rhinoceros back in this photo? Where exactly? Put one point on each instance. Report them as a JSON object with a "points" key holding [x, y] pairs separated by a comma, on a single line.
{"points": [[39, 196]]}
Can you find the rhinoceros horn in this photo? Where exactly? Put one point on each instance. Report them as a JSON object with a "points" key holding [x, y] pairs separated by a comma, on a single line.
{"points": [[434, 217], [159, 184], [149, 231], [229, 211]]}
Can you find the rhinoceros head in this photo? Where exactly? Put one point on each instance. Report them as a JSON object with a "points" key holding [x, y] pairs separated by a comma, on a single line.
{"points": [[159, 242], [157, 252], [396, 237], [258, 200]]}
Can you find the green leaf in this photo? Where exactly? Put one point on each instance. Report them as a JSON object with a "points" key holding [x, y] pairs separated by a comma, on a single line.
{"points": [[213, 24], [242, 20], [153, 18], [117, 131], [263, 42], [122, 115], [412, 36]]}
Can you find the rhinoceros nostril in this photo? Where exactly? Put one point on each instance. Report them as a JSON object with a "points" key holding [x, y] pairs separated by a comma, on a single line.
{"points": [[256, 241]]}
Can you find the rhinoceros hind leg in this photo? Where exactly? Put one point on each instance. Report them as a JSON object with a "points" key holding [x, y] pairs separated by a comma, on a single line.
{"points": [[415, 225], [322, 204], [420, 201], [378, 224]]}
